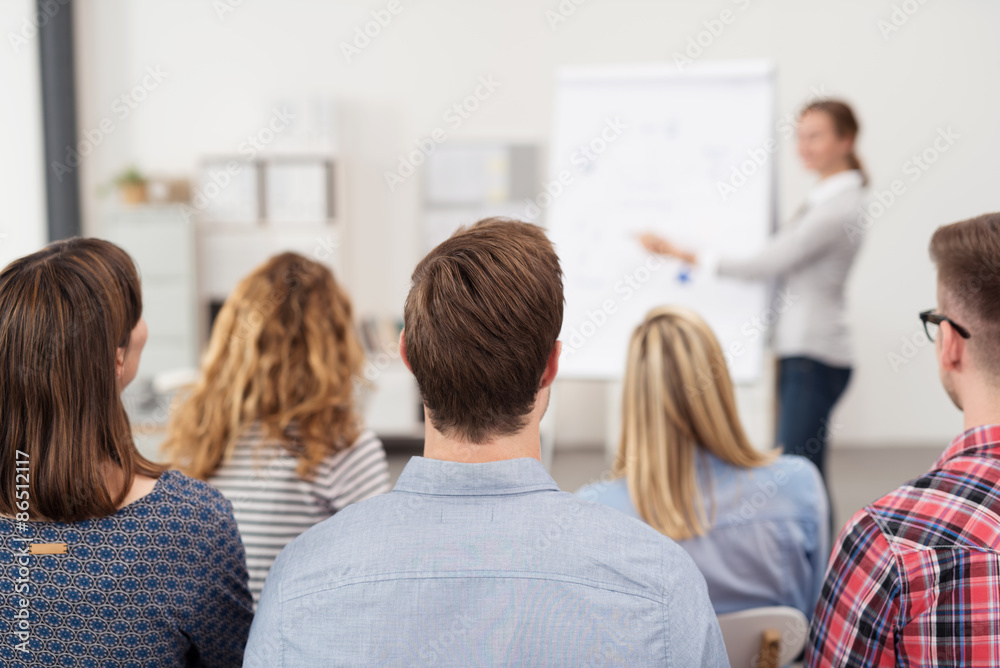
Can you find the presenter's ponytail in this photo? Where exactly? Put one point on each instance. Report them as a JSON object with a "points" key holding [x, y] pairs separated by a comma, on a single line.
{"points": [[844, 122]]}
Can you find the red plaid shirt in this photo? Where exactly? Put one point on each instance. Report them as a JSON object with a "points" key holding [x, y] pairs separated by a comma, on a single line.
{"points": [[915, 577]]}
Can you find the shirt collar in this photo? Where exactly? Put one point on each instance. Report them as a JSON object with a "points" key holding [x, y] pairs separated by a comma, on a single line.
{"points": [[832, 186], [510, 476], [983, 441]]}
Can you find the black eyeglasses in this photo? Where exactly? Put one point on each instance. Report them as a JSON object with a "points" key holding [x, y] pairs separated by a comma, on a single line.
{"points": [[936, 319]]}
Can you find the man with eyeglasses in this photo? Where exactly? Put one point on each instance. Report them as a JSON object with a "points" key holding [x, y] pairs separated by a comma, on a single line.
{"points": [[915, 576]]}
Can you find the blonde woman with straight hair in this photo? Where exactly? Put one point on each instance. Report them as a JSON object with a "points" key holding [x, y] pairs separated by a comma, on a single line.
{"points": [[273, 421], [754, 522]]}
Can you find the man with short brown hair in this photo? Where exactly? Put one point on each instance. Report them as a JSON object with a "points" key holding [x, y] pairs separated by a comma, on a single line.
{"points": [[915, 577], [476, 557], [481, 323]]}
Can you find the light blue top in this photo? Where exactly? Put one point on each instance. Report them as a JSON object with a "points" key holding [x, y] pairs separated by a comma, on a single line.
{"points": [[483, 565], [769, 544]]}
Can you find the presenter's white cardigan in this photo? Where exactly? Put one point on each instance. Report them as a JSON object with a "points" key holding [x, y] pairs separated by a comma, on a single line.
{"points": [[811, 256]]}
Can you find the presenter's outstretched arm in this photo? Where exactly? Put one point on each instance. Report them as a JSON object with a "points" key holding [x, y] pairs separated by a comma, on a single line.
{"points": [[660, 246]]}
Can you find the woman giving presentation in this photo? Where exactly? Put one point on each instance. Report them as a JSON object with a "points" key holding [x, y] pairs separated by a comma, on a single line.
{"points": [[811, 256]]}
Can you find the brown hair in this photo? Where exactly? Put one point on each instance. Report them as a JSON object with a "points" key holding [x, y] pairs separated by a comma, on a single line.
{"points": [[283, 353], [678, 402], [482, 317], [845, 124], [967, 255], [64, 313]]}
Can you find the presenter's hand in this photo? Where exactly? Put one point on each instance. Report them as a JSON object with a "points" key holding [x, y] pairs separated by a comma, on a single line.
{"points": [[660, 246]]}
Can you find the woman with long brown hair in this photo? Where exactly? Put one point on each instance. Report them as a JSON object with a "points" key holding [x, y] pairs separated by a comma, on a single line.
{"points": [[812, 257], [113, 561], [754, 522], [273, 421]]}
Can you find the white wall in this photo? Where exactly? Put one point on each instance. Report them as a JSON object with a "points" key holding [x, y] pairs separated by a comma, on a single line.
{"points": [[939, 70], [22, 185]]}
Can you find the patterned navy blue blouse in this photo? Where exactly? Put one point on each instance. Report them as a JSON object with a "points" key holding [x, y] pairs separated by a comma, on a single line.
{"points": [[162, 582]]}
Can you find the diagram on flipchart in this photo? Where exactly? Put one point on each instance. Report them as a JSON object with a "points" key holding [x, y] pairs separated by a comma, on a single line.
{"points": [[648, 148]]}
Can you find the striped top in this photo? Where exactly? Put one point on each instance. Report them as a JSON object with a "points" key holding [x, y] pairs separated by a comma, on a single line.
{"points": [[273, 505]]}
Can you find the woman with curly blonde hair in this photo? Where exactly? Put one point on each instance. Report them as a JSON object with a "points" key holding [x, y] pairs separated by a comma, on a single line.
{"points": [[273, 421]]}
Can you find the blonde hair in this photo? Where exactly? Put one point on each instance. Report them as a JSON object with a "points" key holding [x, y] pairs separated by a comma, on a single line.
{"points": [[283, 353], [678, 398]]}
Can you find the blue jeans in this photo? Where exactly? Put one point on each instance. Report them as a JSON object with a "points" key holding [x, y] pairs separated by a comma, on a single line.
{"points": [[808, 390]]}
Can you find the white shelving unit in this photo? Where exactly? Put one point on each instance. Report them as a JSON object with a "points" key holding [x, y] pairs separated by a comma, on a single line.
{"points": [[228, 250]]}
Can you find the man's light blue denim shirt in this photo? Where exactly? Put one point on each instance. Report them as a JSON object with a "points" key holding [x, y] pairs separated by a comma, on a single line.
{"points": [[483, 565], [769, 544]]}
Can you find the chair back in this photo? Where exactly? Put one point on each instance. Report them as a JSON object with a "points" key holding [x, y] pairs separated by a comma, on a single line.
{"points": [[764, 637]]}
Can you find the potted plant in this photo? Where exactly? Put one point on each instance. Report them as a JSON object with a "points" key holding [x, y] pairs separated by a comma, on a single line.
{"points": [[132, 186]]}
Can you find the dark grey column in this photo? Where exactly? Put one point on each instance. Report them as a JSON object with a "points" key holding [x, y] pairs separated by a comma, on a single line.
{"points": [[62, 179]]}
